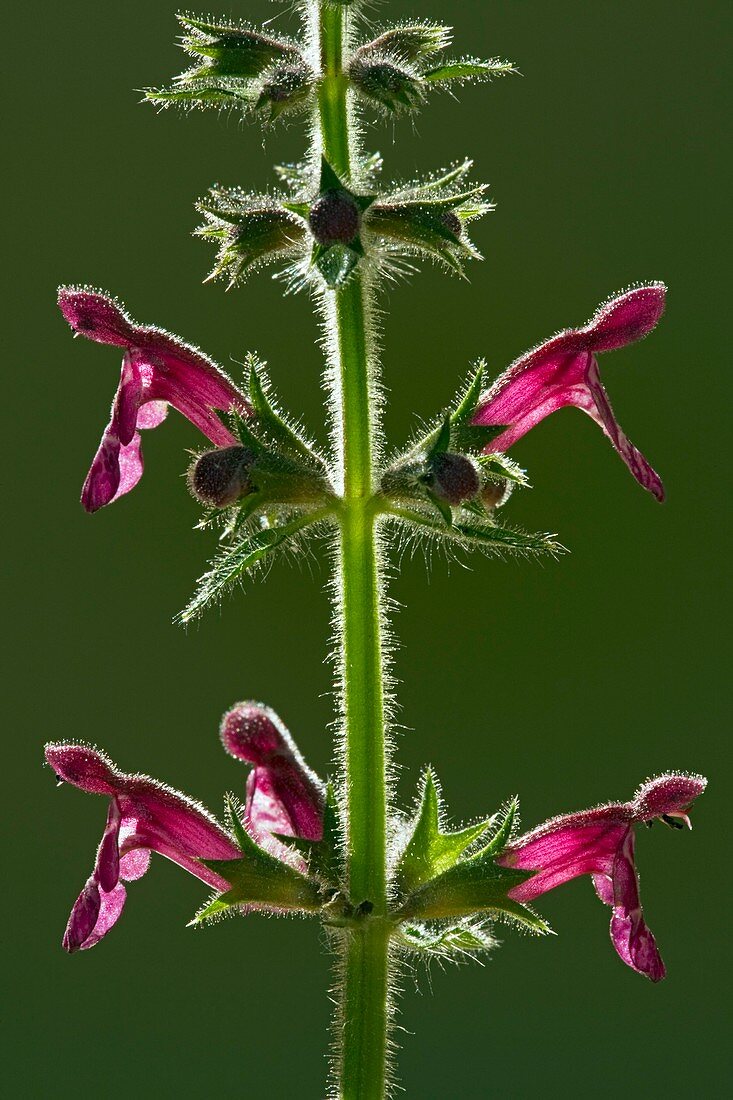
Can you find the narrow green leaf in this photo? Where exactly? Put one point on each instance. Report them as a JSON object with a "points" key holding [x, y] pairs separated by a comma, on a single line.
{"points": [[451, 176], [235, 561], [465, 938], [472, 534], [203, 94], [507, 538]]}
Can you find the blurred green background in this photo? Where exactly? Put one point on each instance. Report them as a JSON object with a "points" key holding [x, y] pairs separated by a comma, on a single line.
{"points": [[566, 681]]}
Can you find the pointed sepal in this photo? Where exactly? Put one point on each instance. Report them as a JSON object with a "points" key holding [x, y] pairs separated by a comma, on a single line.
{"points": [[269, 423], [237, 65], [429, 219], [471, 531], [231, 50], [410, 41], [249, 230], [431, 849], [386, 81], [258, 879], [469, 69], [476, 884]]}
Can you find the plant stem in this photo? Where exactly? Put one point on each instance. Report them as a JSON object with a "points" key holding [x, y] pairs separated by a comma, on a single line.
{"points": [[363, 1011]]}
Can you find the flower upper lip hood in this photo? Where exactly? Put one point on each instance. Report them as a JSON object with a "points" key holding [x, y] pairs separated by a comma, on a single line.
{"points": [[284, 796], [158, 369], [600, 842], [564, 371], [144, 816]]}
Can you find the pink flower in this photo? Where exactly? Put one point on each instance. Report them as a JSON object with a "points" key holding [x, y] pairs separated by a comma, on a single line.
{"points": [[600, 843], [564, 371], [158, 370], [144, 816], [284, 797]]}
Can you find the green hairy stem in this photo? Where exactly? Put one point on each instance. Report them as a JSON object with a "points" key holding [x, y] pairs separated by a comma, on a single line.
{"points": [[363, 1012]]}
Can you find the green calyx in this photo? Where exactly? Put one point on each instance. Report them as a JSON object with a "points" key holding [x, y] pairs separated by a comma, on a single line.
{"points": [[442, 879], [396, 70], [286, 495], [334, 215], [324, 229], [431, 850], [250, 231], [237, 65], [446, 885], [447, 469], [429, 218], [233, 50], [258, 878]]}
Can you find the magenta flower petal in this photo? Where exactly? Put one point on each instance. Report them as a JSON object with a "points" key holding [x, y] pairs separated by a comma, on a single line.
{"points": [[95, 315], [564, 371], [158, 370], [82, 767], [600, 843], [283, 795], [83, 917], [559, 854], [143, 817], [668, 796], [630, 935], [110, 911], [627, 318]]}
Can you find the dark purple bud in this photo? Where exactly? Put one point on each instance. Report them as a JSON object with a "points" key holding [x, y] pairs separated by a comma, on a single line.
{"points": [[452, 223], [221, 477], [285, 86], [334, 218], [453, 478]]}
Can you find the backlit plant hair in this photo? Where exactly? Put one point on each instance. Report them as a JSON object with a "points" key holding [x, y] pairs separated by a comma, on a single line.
{"points": [[386, 885]]}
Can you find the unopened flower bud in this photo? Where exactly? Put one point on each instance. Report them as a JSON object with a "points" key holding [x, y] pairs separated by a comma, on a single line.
{"points": [[334, 218], [221, 477], [251, 230], [285, 86], [453, 478], [385, 82], [283, 795]]}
